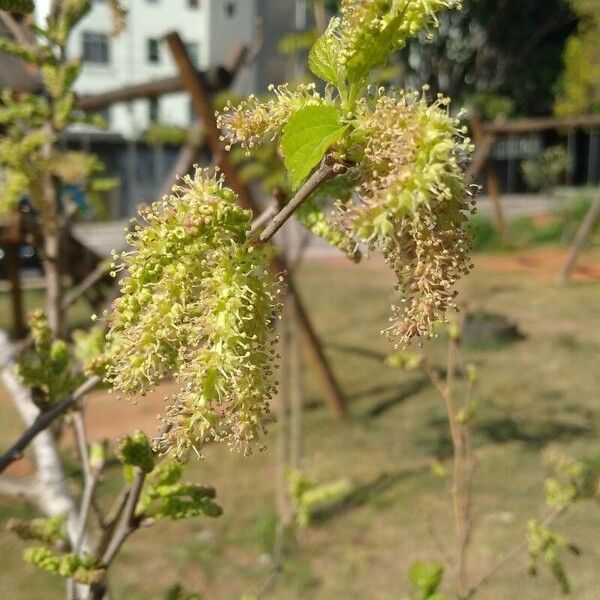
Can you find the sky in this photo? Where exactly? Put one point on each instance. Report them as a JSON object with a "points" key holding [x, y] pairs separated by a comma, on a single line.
{"points": [[41, 9]]}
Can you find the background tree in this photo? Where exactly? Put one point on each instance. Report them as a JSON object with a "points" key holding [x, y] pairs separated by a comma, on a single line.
{"points": [[501, 55], [580, 84]]}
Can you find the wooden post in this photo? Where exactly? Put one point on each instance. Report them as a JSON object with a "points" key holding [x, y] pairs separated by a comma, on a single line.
{"points": [[583, 234], [185, 159], [203, 109], [493, 185]]}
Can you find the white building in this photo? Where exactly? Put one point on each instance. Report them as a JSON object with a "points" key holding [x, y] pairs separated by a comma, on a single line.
{"points": [[211, 29]]}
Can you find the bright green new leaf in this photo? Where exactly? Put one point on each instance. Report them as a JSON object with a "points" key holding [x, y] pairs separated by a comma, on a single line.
{"points": [[307, 136], [323, 59], [426, 577]]}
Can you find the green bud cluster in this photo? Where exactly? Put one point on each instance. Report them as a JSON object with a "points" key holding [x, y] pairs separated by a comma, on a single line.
{"points": [[315, 220], [310, 496], [47, 367], [136, 451], [546, 546], [83, 569], [197, 301], [253, 122], [574, 480], [166, 496], [47, 530], [426, 578], [369, 30], [88, 347]]}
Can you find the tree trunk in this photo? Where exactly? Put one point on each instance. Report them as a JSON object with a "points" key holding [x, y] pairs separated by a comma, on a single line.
{"points": [[52, 494], [53, 276]]}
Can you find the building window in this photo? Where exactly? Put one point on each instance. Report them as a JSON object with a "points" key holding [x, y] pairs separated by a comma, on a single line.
{"points": [[192, 50], [153, 113], [96, 48], [230, 9], [195, 4], [153, 50]]}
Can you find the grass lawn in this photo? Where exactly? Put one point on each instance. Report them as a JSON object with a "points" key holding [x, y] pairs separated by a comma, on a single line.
{"points": [[537, 393]]}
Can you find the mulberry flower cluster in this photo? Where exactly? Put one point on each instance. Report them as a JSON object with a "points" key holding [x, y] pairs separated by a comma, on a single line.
{"points": [[252, 122], [409, 199], [369, 30], [413, 203], [197, 301]]}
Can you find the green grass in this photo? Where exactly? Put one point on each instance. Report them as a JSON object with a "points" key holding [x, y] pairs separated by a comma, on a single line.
{"points": [[78, 314], [526, 232], [536, 393]]}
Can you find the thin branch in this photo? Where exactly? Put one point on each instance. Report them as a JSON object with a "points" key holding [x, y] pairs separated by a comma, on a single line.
{"points": [[114, 536], [44, 420], [328, 169], [90, 479], [82, 443], [278, 557], [110, 522], [128, 522], [263, 219], [512, 554], [91, 279], [20, 487]]}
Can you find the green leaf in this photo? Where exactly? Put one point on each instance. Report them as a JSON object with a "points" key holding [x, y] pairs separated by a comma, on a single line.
{"points": [[323, 58], [426, 577], [372, 50], [307, 136]]}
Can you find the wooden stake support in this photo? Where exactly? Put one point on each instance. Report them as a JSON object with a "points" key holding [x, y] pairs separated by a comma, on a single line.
{"points": [[582, 236], [203, 109], [481, 160]]}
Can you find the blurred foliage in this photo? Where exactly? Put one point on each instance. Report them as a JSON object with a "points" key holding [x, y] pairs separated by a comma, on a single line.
{"points": [[165, 134], [505, 55], [545, 171], [524, 232], [579, 91], [46, 368], [30, 124], [426, 579], [178, 592], [297, 41], [310, 497], [18, 6]]}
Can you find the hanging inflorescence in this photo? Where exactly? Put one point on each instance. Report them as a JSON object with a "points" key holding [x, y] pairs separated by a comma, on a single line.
{"points": [[405, 190], [197, 301], [411, 203]]}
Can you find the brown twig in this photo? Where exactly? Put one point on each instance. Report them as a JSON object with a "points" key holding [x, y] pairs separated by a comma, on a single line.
{"points": [[462, 468], [328, 169], [512, 554], [90, 478], [128, 522], [44, 420], [263, 219]]}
